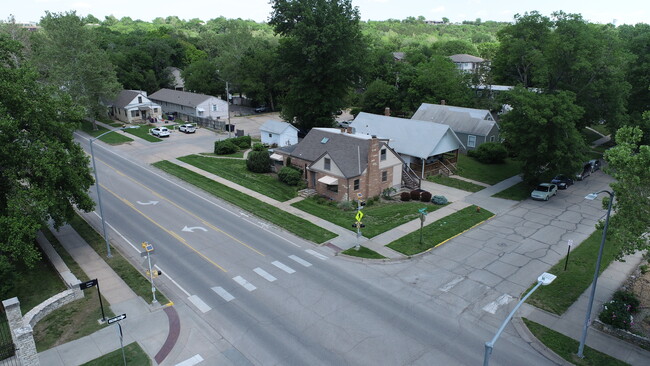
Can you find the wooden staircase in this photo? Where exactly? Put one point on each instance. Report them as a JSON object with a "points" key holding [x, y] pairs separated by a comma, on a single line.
{"points": [[410, 179]]}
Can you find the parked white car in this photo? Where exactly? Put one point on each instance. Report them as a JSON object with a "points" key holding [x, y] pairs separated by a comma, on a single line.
{"points": [[544, 191], [160, 131], [187, 128]]}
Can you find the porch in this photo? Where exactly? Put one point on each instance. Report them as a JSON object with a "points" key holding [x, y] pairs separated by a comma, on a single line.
{"points": [[445, 164]]}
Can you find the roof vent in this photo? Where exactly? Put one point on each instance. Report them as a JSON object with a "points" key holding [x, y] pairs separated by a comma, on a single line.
{"points": [[324, 140]]}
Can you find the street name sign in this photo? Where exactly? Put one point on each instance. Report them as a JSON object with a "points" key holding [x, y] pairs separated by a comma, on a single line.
{"points": [[116, 319]]}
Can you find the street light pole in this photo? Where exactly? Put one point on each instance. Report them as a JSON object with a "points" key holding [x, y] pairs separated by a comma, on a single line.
{"points": [[99, 196], [228, 106], [583, 339], [544, 279]]}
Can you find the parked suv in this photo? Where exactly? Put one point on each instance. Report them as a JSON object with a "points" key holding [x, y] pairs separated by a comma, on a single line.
{"points": [[160, 131], [595, 165], [562, 181], [585, 172], [187, 128]]}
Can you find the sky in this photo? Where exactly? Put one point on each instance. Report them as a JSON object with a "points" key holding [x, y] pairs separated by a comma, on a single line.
{"points": [[596, 11]]}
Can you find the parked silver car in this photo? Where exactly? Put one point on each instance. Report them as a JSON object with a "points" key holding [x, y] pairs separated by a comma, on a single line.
{"points": [[544, 191], [187, 128]]}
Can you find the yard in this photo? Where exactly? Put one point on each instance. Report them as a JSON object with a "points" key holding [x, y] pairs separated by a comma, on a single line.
{"points": [[379, 216], [143, 133], [235, 171], [487, 173], [112, 138], [455, 183]]}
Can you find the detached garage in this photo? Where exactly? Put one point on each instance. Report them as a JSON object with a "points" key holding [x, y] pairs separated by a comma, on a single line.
{"points": [[280, 134]]}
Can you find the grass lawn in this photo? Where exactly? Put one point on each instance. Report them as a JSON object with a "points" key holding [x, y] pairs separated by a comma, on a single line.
{"points": [[378, 217], [363, 252], [570, 284], [132, 352], [567, 347], [487, 173], [455, 183], [600, 128], [440, 231], [112, 138], [143, 133], [134, 278], [518, 192], [238, 154], [74, 320], [589, 136], [291, 223], [235, 171]]}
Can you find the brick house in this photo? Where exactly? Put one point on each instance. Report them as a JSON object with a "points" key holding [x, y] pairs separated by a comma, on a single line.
{"points": [[339, 164]]}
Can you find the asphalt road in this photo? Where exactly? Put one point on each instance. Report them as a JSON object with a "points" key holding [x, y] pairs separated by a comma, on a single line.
{"points": [[280, 300]]}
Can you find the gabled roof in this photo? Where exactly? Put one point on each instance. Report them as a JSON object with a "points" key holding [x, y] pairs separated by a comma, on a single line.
{"points": [[349, 152], [180, 97], [463, 57], [125, 97], [462, 120], [276, 127], [420, 139]]}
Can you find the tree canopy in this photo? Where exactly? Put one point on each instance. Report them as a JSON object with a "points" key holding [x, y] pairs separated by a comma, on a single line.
{"points": [[320, 52], [44, 174]]}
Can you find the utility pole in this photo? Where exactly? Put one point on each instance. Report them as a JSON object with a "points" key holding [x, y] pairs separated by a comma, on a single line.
{"points": [[228, 104]]}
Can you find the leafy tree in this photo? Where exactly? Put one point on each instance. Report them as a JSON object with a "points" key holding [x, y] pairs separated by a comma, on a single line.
{"points": [[454, 47], [259, 73], [321, 57], [378, 96], [637, 41], [67, 55], [202, 77], [258, 162], [628, 164], [437, 80], [541, 131], [44, 174]]}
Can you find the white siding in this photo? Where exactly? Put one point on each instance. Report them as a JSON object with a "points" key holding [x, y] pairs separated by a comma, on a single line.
{"points": [[320, 166]]}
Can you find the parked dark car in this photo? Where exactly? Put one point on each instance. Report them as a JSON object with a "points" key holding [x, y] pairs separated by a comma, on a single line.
{"points": [[562, 181], [585, 172], [595, 165], [262, 109]]}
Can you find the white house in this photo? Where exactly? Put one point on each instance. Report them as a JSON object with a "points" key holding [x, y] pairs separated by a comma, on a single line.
{"points": [[133, 106], [468, 63], [191, 104], [278, 133], [177, 80]]}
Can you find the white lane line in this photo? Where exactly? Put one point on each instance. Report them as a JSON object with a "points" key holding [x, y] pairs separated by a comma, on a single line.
{"points": [[494, 305], [451, 284], [171, 279], [267, 276], [199, 303], [245, 284], [283, 267], [223, 293], [316, 254], [194, 360], [118, 233], [300, 260]]}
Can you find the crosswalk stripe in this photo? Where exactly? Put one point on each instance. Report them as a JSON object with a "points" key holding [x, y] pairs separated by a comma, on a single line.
{"points": [[199, 303], [300, 260], [245, 284], [223, 293], [267, 276], [316, 254], [283, 267]]}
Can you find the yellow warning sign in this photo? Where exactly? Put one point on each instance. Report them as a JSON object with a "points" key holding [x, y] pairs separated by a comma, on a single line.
{"points": [[359, 216]]}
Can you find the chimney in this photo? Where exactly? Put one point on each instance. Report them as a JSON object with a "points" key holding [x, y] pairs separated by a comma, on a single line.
{"points": [[387, 111], [443, 102], [373, 183]]}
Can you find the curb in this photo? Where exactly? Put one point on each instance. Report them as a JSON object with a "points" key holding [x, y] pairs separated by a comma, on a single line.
{"points": [[540, 347]]}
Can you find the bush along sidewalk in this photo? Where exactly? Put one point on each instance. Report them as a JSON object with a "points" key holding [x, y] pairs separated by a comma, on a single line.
{"points": [[620, 310]]}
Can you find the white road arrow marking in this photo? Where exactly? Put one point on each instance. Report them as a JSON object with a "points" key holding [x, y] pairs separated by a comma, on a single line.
{"points": [[147, 203], [191, 229]]}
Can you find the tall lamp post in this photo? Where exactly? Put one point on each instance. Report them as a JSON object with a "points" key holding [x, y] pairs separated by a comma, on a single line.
{"points": [[99, 196], [593, 196], [544, 279]]}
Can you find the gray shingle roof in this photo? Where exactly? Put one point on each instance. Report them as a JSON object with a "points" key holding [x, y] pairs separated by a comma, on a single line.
{"points": [[125, 97], [348, 151], [461, 120], [179, 97], [463, 57], [277, 127], [420, 139]]}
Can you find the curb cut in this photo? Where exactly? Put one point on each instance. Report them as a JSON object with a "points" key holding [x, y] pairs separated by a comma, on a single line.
{"points": [[529, 338]]}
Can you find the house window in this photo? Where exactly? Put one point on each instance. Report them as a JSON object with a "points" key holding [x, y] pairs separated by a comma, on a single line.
{"points": [[214, 107], [382, 155], [155, 110], [139, 99], [356, 184], [270, 135], [492, 138], [471, 141], [384, 176], [135, 113], [333, 188], [200, 113], [328, 164]]}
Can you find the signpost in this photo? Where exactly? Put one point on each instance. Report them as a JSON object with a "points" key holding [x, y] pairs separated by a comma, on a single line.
{"points": [[116, 319], [570, 243], [358, 217], [423, 216], [89, 284], [149, 249]]}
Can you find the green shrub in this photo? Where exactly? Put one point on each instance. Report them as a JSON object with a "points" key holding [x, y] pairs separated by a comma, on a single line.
{"points": [[288, 161], [387, 193], [244, 142], [225, 147], [425, 196], [405, 196], [618, 312], [258, 147], [439, 200], [346, 205], [489, 153], [629, 299], [258, 162], [415, 195], [289, 176]]}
